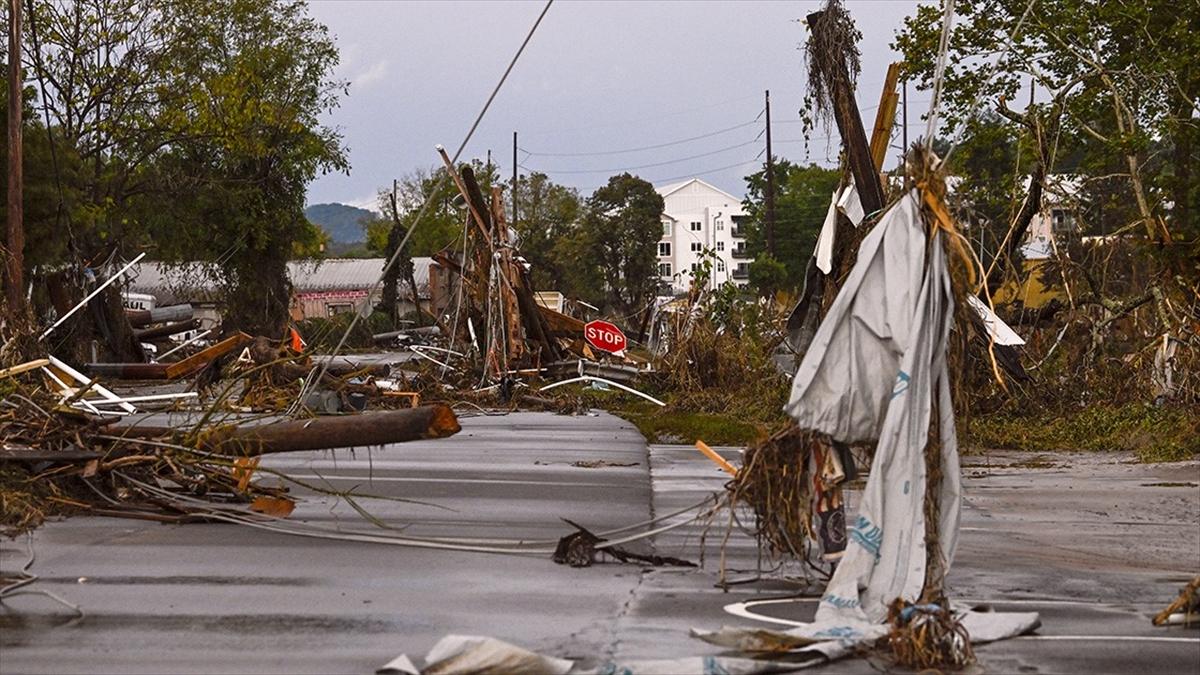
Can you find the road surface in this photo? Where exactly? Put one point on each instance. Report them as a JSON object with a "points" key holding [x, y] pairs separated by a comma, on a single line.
{"points": [[1093, 542]]}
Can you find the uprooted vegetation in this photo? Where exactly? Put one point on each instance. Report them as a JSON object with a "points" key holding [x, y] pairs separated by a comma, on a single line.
{"points": [[1112, 368]]}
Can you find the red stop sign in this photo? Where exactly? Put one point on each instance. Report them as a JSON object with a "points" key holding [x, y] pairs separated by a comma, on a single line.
{"points": [[605, 336]]}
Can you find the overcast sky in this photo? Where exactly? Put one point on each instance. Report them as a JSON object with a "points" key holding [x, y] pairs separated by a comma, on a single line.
{"points": [[598, 77]]}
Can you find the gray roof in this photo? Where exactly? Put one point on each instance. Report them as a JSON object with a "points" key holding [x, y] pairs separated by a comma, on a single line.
{"points": [[174, 283]]}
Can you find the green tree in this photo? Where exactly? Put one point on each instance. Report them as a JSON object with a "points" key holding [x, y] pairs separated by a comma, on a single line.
{"points": [[51, 177], [768, 275], [618, 235], [1122, 76], [442, 223], [989, 177], [197, 126], [546, 213], [801, 200]]}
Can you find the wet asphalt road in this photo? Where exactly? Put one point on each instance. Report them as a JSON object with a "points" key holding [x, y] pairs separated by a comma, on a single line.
{"points": [[1095, 544]]}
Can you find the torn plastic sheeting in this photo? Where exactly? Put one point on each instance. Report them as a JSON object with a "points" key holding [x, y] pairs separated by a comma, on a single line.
{"points": [[851, 205], [874, 370], [830, 641], [476, 655], [824, 250], [1000, 332]]}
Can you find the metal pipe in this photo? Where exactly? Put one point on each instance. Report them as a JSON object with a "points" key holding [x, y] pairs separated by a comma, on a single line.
{"points": [[91, 295]]}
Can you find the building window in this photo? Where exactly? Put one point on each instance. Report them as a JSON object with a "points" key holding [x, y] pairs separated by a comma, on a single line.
{"points": [[695, 226], [720, 226], [666, 229], [720, 265], [664, 270], [697, 247], [333, 309], [720, 246], [664, 249], [1060, 221], [695, 267]]}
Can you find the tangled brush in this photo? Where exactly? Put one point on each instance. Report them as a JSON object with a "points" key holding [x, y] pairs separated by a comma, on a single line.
{"points": [[924, 637], [775, 482]]}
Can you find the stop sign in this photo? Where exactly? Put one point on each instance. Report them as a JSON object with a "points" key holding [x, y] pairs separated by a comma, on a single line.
{"points": [[605, 336]]}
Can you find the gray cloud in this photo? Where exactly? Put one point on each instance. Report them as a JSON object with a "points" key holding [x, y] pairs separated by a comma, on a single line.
{"points": [[598, 77]]}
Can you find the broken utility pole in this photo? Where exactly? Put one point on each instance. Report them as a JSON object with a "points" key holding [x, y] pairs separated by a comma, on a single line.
{"points": [[321, 433], [770, 183], [15, 260], [845, 111], [516, 177]]}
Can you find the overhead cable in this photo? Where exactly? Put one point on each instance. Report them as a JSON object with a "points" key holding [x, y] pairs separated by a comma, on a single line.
{"points": [[649, 166], [320, 373], [623, 151]]}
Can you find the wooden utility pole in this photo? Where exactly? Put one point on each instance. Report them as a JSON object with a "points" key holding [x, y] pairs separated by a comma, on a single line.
{"points": [[15, 263], [850, 127], [515, 178], [904, 135], [770, 184]]}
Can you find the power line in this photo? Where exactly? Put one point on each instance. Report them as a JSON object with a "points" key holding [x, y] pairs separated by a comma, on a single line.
{"points": [[659, 116], [646, 166], [669, 179], [320, 374], [710, 134]]}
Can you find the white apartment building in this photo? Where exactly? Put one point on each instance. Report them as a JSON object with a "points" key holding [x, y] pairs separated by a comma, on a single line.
{"points": [[698, 217]]}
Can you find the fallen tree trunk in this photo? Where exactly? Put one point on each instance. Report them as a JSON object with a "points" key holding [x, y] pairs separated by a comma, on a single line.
{"points": [[321, 433]]}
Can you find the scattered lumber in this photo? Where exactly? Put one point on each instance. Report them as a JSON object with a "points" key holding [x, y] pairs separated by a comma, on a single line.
{"points": [[169, 371]]}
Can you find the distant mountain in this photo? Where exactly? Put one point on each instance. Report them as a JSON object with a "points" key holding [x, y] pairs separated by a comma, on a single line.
{"points": [[343, 223]]}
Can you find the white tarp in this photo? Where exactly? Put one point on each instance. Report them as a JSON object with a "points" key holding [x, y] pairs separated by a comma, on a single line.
{"points": [[872, 372], [824, 252], [851, 205], [1000, 332]]}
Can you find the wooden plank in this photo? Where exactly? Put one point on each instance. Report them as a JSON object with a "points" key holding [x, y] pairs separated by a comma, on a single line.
{"points": [[24, 367], [885, 116]]}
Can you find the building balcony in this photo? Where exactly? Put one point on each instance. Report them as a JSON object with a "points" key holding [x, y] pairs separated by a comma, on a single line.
{"points": [[741, 272], [741, 253], [737, 233]]}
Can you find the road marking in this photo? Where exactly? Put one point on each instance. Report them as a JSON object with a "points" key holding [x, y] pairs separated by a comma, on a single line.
{"points": [[742, 609], [1110, 638]]}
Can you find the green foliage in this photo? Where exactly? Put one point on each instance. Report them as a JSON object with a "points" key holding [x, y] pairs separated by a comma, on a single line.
{"points": [[768, 275], [196, 127], [442, 223], [1156, 434], [322, 333], [801, 200], [677, 426], [547, 213], [1126, 74], [52, 196], [618, 237]]}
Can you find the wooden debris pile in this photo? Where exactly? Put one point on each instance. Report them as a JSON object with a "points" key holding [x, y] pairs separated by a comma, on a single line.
{"points": [[70, 445]]}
